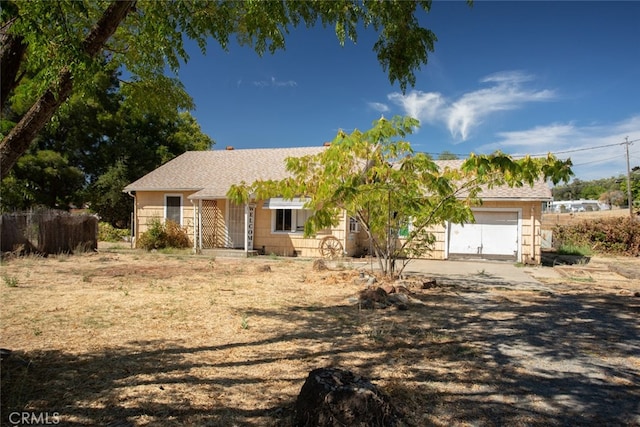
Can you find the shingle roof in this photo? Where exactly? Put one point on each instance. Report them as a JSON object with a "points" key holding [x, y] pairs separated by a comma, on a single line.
{"points": [[211, 173], [539, 191]]}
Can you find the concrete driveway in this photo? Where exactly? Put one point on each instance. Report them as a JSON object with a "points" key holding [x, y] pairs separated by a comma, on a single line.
{"points": [[483, 273]]}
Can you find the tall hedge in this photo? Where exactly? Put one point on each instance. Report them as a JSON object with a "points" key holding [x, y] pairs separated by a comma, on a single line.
{"points": [[615, 236]]}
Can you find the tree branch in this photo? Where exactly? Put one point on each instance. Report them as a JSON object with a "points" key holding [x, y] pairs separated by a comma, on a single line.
{"points": [[20, 137], [12, 49]]}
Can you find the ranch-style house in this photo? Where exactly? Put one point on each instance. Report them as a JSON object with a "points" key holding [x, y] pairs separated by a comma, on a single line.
{"points": [[191, 190]]}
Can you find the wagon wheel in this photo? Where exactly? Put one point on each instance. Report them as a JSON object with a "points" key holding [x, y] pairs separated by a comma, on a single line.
{"points": [[330, 247]]}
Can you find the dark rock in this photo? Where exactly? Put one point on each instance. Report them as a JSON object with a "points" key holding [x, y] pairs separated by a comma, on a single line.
{"points": [[551, 259], [398, 299], [373, 298], [428, 283], [5, 353], [332, 397], [403, 290], [319, 265], [390, 289]]}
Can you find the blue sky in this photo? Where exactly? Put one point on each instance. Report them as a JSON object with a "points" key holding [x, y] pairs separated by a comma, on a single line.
{"points": [[521, 77]]}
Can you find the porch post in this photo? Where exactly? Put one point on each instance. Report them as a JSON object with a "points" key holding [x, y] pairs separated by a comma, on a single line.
{"points": [[246, 228], [195, 227], [533, 233], [200, 224]]}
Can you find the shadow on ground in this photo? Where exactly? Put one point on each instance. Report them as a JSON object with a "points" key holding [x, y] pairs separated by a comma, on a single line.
{"points": [[461, 355]]}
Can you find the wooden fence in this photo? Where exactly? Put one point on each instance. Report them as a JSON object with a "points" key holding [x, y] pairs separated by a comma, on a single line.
{"points": [[48, 232]]}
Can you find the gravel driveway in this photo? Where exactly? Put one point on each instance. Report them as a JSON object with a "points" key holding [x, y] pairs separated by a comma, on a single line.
{"points": [[560, 347]]}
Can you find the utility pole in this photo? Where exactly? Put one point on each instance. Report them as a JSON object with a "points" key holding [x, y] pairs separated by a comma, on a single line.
{"points": [[626, 143]]}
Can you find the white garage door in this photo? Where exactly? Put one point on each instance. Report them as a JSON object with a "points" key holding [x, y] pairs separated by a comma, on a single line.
{"points": [[494, 235]]}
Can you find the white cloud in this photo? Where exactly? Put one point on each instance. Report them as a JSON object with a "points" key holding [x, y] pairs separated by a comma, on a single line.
{"points": [[462, 115], [378, 106], [597, 151], [420, 105], [275, 83], [550, 138]]}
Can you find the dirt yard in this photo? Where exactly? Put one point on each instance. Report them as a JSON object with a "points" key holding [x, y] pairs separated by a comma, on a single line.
{"points": [[125, 338]]}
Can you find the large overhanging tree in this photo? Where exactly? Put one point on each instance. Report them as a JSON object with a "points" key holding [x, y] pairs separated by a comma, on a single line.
{"points": [[60, 45], [377, 178]]}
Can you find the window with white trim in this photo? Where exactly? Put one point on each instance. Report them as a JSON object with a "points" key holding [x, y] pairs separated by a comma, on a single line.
{"points": [[282, 219], [173, 208], [302, 216], [289, 220], [354, 225]]}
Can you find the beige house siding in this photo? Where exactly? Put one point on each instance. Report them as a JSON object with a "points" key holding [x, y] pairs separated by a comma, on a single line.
{"points": [[439, 247], [358, 243], [295, 244], [150, 205], [268, 242]]}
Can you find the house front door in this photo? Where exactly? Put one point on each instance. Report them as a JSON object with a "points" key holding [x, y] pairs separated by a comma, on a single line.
{"points": [[235, 219]]}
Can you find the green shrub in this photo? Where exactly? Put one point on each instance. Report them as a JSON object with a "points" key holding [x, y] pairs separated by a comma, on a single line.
{"points": [[161, 235], [568, 249], [108, 233], [615, 236], [176, 236]]}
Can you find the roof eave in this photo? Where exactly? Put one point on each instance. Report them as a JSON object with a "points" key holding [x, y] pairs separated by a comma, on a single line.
{"points": [[516, 199], [206, 197], [165, 190]]}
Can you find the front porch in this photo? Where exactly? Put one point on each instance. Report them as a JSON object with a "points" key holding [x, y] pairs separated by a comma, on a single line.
{"points": [[223, 228]]}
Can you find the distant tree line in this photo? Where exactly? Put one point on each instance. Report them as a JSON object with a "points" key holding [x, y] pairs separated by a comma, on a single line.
{"points": [[97, 143], [612, 191]]}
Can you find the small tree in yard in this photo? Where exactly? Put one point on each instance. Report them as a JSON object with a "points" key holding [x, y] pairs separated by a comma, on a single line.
{"points": [[391, 190]]}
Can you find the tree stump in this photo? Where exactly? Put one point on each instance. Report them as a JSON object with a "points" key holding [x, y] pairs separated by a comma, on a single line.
{"points": [[333, 397]]}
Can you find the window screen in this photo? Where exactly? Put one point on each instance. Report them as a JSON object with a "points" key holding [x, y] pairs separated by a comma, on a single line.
{"points": [[283, 220], [174, 208]]}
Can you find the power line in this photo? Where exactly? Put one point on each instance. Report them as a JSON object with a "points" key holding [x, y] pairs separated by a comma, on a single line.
{"points": [[597, 161], [576, 150], [586, 148], [597, 147]]}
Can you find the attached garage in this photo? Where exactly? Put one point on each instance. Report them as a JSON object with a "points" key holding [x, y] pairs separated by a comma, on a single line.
{"points": [[495, 235]]}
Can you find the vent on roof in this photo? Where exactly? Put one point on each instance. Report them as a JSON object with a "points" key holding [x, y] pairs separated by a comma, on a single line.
{"points": [[229, 147]]}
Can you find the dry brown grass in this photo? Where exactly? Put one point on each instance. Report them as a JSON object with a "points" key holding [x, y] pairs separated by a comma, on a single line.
{"points": [[551, 219], [129, 338]]}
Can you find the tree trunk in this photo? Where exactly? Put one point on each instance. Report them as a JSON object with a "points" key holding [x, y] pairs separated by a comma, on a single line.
{"points": [[18, 140], [12, 49]]}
